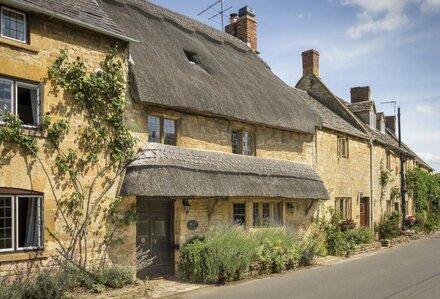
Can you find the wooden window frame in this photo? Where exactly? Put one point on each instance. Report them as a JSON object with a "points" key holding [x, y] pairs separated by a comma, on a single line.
{"points": [[240, 132], [14, 215], [345, 155], [25, 25], [162, 128]]}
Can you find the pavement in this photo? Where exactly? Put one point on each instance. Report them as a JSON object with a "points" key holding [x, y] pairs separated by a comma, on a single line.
{"points": [[407, 271]]}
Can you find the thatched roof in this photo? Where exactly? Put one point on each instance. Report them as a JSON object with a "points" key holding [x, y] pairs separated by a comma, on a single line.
{"points": [[227, 79], [168, 171]]}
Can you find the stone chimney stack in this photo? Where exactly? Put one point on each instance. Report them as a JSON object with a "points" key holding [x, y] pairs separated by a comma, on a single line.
{"points": [[310, 60], [360, 94], [244, 26], [390, 123]]}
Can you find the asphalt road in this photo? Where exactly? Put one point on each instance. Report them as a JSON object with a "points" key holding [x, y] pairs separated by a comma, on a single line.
{"points": [[408, 271]]}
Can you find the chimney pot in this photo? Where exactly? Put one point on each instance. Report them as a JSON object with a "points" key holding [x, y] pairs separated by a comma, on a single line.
{"points": [[246, 11], [310, 60], [360, 94], [233, 18]]}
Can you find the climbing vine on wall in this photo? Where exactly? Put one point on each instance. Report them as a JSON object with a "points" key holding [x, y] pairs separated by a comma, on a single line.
{"points": [[84, 174], [425, 188]]}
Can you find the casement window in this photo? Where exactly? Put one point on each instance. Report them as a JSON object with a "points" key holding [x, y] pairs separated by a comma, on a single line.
{"points": [[266, 214], [239, 213], [21, 222], [243, 142], [372, 120], [161, 130], [14, 24], [22, 99], [343, 206], [342, 147], [388, 160]]}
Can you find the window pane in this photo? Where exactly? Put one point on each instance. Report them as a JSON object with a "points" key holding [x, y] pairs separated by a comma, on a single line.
{"points": [[28, 108], [239, 214], [153, 129], [247, 145], [13, 25], [255, 214], [5, 223], [28, 222], [266, 213], [5, 97], [234, 140], [170, 131], [277, 213]]}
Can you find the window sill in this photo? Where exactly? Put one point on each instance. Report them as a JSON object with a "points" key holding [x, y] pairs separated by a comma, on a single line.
{"points": [[23, 256], [19, 45], [30, 131]]}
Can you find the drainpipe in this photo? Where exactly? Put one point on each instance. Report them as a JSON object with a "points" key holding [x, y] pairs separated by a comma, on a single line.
{"points": [[370, 216]]}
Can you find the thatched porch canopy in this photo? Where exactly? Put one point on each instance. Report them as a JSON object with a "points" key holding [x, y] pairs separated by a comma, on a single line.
{"points": [[167, 171]]}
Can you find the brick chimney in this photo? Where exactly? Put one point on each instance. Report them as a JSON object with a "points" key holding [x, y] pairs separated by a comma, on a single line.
{"points": [[310, 60], [360, 94], [390, 123], [244, 26]]}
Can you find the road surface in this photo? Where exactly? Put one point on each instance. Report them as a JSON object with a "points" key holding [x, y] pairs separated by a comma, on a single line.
{"points": [[408, 271]]}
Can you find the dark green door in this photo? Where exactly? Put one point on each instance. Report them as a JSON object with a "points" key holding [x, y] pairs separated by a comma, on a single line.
{"points": [[153, 232]]}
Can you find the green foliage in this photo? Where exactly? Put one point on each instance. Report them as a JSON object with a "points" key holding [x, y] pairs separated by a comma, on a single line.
{"points": [[229, 253], [338, 239], [60, 282], [12, 132], [425, 188], [389, 226], [385, 175]]}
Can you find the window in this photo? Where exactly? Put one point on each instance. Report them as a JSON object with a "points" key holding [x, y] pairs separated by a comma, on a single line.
{"points": [[21, 226], [161, 130], [22, 99], [372, 120], [266, 213], [342, 147], [343, 206], [382, 126], [13, 24], [243, 142], [239, 213], [388, 160]]}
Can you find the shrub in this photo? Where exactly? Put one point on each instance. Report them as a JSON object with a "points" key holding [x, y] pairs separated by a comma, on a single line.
{"points": [[113, 276], [360, 235], [312, 247], [191, 263], [389, 226]]}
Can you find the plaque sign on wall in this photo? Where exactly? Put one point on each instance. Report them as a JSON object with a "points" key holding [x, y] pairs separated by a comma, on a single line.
{"points": [[192, 225]]}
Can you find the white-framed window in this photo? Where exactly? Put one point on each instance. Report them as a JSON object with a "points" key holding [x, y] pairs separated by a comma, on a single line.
{"points": [[21, 222], [14, 24], [343, 206], [372, 120], [243, 142], [21, 98], [161, 130]]}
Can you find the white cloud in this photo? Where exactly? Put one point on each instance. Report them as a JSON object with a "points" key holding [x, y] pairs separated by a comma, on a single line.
{"points": [[385, 15], [428, 109], [307, 15], [429, 157]]}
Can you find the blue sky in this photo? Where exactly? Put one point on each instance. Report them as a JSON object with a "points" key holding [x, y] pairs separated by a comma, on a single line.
{"points": [[391, 45]]}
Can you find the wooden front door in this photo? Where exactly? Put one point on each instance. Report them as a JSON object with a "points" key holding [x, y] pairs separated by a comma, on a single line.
{"points": [[154, 233], [364, 211]]}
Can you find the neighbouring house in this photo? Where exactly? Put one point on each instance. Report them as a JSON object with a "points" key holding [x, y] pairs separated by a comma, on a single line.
{"points": [[32, 35], [226, 140]]}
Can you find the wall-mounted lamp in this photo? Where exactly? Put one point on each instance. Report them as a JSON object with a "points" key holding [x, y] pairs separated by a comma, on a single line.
{"points": [[291, 207], [186, 205]]}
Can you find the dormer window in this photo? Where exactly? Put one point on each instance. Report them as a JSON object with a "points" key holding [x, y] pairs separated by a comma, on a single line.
{"points": [[372, 120], [191, 56], [382, 127]]}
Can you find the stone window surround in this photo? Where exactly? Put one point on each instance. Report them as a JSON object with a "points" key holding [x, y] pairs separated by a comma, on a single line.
{"points": [[26, 84], [26, 24], [343, 147], [346, 208], [162, 117], [14, 213]]}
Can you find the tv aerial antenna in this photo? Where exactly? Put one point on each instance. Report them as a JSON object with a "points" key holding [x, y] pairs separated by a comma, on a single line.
{"points": [[212, 12]]}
